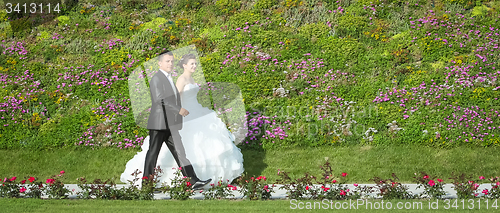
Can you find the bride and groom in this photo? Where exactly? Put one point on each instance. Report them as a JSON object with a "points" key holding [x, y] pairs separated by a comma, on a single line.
{"points": [[210, 153]]}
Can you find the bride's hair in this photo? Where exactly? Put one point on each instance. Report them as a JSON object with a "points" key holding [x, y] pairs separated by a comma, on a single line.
{"points": [[185, 59]]}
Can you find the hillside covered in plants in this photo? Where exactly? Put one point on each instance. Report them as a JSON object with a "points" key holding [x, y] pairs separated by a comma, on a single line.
{"points": [[311, 72]]}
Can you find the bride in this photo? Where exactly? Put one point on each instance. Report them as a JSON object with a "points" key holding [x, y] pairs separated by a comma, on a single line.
{"points": [[208, 144]]}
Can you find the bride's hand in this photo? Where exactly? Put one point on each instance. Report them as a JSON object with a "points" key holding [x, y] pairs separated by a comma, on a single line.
{"points": [[184, 112]]}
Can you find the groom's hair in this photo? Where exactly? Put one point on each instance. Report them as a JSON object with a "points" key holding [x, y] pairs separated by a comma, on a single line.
{"points": [[166, 52]]}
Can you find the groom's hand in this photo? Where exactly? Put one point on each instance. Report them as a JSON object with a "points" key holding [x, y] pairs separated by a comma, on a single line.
{"points": [[183, 112]]}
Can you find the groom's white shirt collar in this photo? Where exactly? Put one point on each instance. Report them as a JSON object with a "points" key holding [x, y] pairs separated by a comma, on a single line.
{"points": [[164, 72], [171, 82]]}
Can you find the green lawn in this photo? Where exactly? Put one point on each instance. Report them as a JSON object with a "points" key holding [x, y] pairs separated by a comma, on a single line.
{"points": [[31, 205], [360, 162]]}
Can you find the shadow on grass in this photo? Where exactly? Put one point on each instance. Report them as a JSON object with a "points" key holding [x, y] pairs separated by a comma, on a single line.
{"points": [[253, 161]]}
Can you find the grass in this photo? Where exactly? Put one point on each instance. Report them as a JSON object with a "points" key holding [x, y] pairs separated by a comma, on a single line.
{"points": [[360, 162], [31, 205]]}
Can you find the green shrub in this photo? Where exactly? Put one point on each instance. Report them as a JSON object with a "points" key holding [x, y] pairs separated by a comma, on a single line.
{"points": [[314, 30], [20, 25], [133, 4], [189, 4], [154, 24], [5, 30], [3, 15], [155, 5], [227, 7], [213, 33], [339, 51], [480, 11], [120, 25], [265, 4], [43, 35], [63, 20], [460, 2], [292, 3], [350, 25], [239, 19]]}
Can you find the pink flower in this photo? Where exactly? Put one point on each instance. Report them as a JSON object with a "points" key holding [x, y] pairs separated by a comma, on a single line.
{"points": [[485, 191], [145, 177], [22, 190], [344, 174], [475, 186], [425, 177], [355, 184], [31, 179], [23, 181], [334, 181], [188, 183], [440, 180], [62, 172], [50, 181], [481, 177], [13, 178], [432, 183], [307, 187], [342, 192]]}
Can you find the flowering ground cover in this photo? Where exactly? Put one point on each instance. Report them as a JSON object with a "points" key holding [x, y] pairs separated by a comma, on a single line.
{"points": [[312, 73]]}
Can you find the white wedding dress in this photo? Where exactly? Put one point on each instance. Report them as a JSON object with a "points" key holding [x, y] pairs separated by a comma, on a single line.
{"points": [[207, 142]]}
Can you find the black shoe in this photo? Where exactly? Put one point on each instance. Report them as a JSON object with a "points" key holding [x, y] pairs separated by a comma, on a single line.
{"points": [[200, 184]]}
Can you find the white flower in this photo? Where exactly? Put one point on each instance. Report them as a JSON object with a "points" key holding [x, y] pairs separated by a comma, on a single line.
{"points": [[262, 54]]}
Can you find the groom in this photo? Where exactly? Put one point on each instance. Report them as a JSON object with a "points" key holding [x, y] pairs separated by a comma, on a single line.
{"points": [[166, 98]]}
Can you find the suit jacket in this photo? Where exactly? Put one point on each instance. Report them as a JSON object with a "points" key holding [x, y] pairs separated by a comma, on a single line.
{"points": [[161, 90]]}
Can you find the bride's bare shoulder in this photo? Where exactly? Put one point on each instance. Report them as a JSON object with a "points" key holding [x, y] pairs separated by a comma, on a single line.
{"points": [[181, 82], [182, 79]]}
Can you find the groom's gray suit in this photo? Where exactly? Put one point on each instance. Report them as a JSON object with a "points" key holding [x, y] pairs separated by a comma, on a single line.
{"points": [[164, 95], [162, 91]]}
